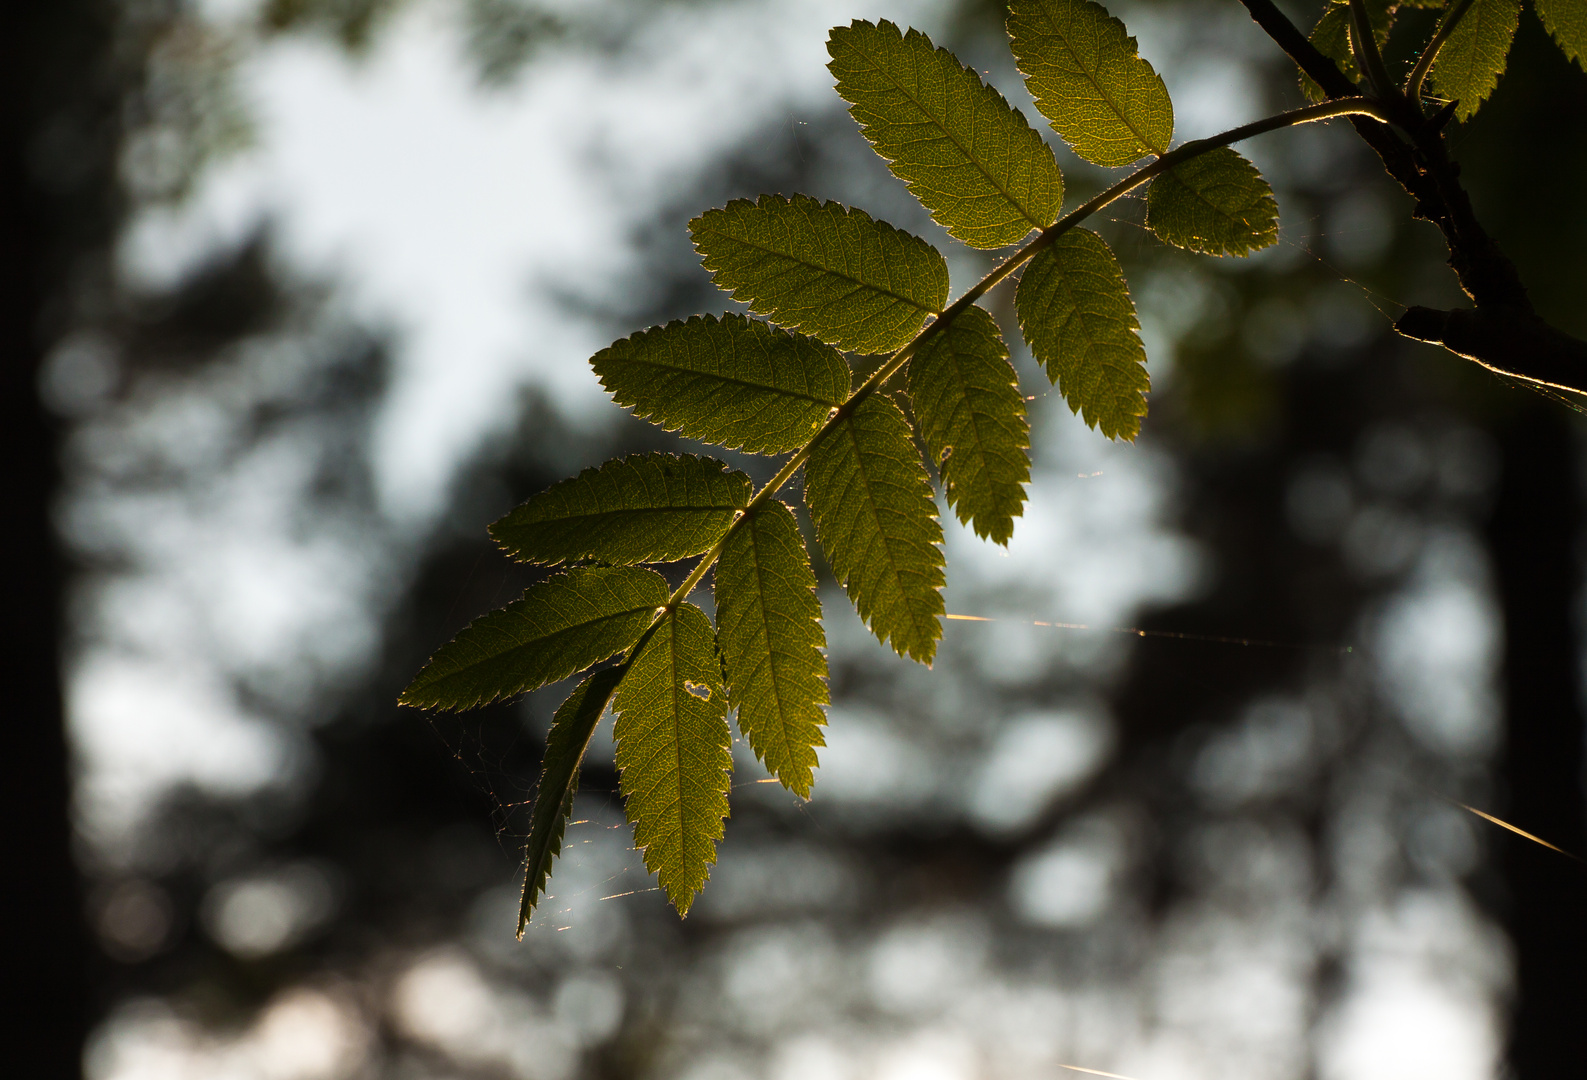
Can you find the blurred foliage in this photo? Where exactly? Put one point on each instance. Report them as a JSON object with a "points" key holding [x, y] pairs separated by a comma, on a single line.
{"points": [[504, 34], [1315, 461], [354, 23]]}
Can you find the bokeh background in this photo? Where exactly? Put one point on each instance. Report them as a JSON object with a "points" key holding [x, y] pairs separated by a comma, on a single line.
{"points": [[320, 278]]}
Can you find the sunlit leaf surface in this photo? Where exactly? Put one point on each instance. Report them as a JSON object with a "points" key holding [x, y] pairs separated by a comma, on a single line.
{"points": [[1088, 78], [871, 503], [556, 628], [1471, 61], [673, 753], [1078, 318], [823, 269], [1567, 21], [642, 508], [966, 154], [769, 628], [1215, 204], [972, 418], [731, 381]]}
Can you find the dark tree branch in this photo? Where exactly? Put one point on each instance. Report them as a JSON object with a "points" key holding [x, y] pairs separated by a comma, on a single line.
{"points": [[1532, 349], [1503, 333]]}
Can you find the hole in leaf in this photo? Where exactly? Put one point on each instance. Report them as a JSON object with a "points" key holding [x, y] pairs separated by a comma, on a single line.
{"points": [[699, 690]]}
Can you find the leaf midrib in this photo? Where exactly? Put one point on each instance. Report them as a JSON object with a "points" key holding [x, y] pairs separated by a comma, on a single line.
{"points": [[870, 505], [533, 643], [1217, 210], [676, 686], [861, 282], [733, 380], [1117, 109], [630, 510], [981, 451], [771, 653]]}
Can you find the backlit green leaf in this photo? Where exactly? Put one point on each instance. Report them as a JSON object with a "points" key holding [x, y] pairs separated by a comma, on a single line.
{"points": [[559, 780], [966, 154], [1567, 21], [1077, 315], [556, 628], [1215, 204], [1088, 78], [643, 508], [732, 381], [871, 503], [823, 269], [1470, 63], [972, 417], [769, 626], [1331, 36], [673, 751]]}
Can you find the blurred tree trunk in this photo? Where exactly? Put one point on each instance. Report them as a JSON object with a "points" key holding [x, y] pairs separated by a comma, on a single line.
{"points": [[58, 190], [1534, 533]]}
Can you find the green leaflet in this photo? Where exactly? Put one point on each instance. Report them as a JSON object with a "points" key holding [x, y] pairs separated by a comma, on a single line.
{"points": [[673, 752], [731, 381], [1331, 36], [972, 417], [769, 628], [643, 508], [1076, 314], [556, 628], [1084, 71], [1470, 63], [1215, 204], [966, 154], [559, 780], [1567, 21], [871, 503], [823, 269]]}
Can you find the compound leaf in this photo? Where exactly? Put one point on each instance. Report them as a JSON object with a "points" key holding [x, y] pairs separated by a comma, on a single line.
{"points": [[673, 751], [642, 508], [873, 510], [1215, 204], [1076, 313], [972, 417], [1472, 59], [1088, 78], [965, 153], [556, 628], [731, 381], [1567, 21], [559, 780], [823, 269], [769, 627]]}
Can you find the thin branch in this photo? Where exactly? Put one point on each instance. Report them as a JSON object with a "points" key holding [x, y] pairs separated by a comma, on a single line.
{"points": [[1503, 334], [1323, 71], [1504, 340], [1423, 168], [1365, 45], [1424, 63]]}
